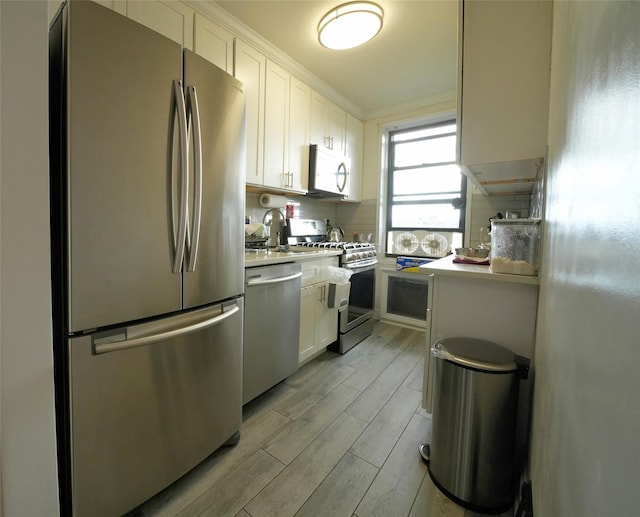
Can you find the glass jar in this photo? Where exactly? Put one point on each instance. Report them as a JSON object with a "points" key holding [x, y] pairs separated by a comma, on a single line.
{"points": [[514, 246]]}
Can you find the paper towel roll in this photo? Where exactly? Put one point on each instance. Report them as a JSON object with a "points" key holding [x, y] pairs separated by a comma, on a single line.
{"points": [[272, 201]]}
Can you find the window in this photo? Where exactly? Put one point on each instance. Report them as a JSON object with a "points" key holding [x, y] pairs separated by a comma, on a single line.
{"points": [[426, 192]]}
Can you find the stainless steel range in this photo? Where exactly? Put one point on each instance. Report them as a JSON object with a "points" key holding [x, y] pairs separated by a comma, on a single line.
{"points": [[355, 322]]}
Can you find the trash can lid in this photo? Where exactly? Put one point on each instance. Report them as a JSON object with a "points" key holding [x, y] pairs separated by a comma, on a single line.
{"points": [[476, 353]]}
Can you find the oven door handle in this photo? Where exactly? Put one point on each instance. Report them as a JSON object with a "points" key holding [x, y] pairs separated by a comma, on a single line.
{"points": [[361, 266]]}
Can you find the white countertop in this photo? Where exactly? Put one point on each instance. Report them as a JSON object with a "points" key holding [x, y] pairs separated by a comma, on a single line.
{"points": [[266, 258], [446, 266]]}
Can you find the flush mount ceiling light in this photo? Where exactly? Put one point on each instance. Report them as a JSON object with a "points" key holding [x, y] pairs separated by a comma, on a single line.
{"points": [[350, 25]]}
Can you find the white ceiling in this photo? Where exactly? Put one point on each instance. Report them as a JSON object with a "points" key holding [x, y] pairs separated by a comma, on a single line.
{"points": [[412, 59]]}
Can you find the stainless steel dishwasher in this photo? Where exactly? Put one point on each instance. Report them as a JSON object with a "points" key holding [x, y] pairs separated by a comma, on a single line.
{"points": [[271, 326]]}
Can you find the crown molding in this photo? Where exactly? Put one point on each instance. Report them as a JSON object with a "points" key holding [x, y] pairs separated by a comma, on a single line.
{"points": [[213, 11]]}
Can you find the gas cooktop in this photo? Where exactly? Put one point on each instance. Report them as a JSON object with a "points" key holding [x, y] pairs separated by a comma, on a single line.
{"points": [[336, 245]]}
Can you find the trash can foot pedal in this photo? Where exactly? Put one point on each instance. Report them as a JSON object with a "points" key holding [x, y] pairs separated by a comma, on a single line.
{"points": [[425, 452]]}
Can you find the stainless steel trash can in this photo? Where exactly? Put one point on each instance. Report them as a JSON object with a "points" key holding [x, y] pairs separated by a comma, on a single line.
{"points": [[472, 450]]}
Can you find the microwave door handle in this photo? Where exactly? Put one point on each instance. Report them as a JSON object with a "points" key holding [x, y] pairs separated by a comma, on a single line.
{"points": [[342, 167], [196, 133], [179, 234]]}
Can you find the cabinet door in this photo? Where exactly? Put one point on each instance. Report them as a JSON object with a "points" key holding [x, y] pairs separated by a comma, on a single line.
{"points": [[318, 127], [336, 123], [299, 124], [327, 123], [276, 127], [308, 296], [505, 64], [326, 320], [250, 69], [354, 150], [171, 19], [213, 42]]}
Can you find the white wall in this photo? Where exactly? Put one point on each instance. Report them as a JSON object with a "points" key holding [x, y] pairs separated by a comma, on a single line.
{"points": [[29, 477], [586, 416]]}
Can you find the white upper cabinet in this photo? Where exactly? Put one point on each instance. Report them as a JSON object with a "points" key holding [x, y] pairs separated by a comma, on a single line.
{"points": [[213, 42], [171, 19], [278, 113], [503, 91], [299, 125], [354, 150], [250, 68], [328, 122], [276, 127], [119, 6], [336, 126]]}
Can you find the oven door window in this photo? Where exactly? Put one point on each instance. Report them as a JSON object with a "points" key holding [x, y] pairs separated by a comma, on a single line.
{"points": [[361, 296]]}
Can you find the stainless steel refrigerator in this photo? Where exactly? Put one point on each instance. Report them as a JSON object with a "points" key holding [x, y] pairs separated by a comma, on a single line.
{"points": [[147, 212]]}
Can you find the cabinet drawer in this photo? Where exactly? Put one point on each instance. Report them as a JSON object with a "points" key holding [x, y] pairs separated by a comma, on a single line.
{"points": [[314, 271]]}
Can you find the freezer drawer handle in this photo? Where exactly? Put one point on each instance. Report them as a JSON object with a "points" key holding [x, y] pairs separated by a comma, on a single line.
{"points": [[103, 348], [277, 280]]}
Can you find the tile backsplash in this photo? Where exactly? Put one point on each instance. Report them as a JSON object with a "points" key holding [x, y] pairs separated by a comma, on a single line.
{"points": [[351, 217], [484, 207], [304, 207]]}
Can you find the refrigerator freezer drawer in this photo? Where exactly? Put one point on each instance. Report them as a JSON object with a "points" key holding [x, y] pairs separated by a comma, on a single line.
{"points": [[142, 416]]}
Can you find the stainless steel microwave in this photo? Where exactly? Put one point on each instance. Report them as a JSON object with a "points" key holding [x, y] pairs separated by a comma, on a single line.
{"points": [[328, 172]]}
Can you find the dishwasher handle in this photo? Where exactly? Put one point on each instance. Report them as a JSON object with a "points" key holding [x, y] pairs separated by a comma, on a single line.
{"points": [[276, 280]]}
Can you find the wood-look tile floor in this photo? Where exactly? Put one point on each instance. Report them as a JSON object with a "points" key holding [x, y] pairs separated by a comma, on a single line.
{"points": [[338, 438]]}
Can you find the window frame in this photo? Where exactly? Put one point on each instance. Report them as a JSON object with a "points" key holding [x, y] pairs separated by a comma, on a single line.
{"points": [[389, 202]]}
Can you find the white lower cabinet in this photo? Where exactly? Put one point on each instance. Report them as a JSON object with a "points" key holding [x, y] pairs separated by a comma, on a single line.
{"points": [[318, 323], [493, 307]]}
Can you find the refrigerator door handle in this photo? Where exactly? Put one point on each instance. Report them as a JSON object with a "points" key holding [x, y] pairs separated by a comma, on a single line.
{"points": [[110, 344], [193, 240], [179, 234]]}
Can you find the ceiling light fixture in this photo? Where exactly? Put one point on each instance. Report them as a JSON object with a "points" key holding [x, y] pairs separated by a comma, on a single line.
{"points": [[350, 25]]}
